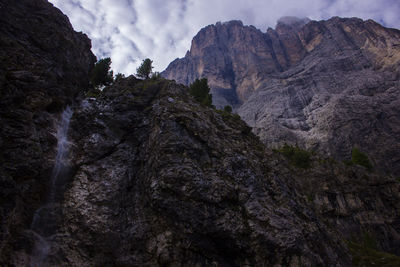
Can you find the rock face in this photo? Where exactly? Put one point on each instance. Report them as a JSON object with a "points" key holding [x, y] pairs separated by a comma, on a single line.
{"points": [[236, 59], [156, 179], [170, 182], [161, 180], [328, 85], [44, 64]]}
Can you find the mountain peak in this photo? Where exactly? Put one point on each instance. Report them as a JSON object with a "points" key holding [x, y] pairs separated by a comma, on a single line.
{"points": [[293, 21], [230, 23], [247, 68]]}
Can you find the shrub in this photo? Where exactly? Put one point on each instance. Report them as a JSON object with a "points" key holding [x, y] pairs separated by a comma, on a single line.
{"points": [[156, 76], [366, 256], [228, 109], [360, 158], [119, 77], [93, 93], [297, 156], [200, 90]]}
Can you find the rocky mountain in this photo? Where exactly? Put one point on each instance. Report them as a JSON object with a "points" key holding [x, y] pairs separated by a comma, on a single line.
{"points": [[161, 180], [143, 175], [327, 86], [44, 66]]}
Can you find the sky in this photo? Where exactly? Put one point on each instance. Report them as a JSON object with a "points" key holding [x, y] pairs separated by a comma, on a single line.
{"points": [[129, 31]]}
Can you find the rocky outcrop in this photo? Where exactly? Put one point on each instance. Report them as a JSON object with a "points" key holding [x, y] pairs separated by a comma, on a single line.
{"points": [[327, 86], [153, 178], [236, 59], [345, 93], [44, 64], [173, 183], [161, 180]]}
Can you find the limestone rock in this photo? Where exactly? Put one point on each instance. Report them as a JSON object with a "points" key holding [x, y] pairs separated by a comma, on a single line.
{"points": [[157, 179], [174, 183], [328, 85], [44, 65]]}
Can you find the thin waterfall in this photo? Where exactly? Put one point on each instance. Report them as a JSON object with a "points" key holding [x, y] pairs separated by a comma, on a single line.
{"points": [[44, 223], [60, 163]]}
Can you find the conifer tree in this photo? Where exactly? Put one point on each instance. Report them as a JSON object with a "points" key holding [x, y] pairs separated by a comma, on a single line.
{"points": [[101, 73], [144, 70]]}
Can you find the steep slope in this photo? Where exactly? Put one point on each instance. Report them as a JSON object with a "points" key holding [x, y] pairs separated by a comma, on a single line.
{"points": [[236, 59], [161, 180], [328, 85], [153, 178], [171, 182], [44, 64]]}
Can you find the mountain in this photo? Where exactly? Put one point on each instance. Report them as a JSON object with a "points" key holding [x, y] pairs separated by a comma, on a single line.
{"points": [[44, 66], [327, 86], [141, 174]]}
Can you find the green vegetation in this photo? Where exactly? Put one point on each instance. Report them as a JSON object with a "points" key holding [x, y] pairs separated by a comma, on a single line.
{"points": [[93, 93], [145, 69], [119, 76], [200, 90], [156, 76], [101, 73], [367, 256], [359, 158], [228, 115], [297, 156], [228, 109], [366, 253]]}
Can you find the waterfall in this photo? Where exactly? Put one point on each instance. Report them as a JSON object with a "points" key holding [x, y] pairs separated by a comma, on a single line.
{"points": [[45, 219], [60, 163]]}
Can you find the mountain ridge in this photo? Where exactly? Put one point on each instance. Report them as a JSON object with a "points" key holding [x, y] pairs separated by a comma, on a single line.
{"points": [[286, 83], [151, 177]]}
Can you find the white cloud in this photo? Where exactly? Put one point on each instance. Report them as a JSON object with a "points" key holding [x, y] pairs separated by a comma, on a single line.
{"points": [[130, 30]]}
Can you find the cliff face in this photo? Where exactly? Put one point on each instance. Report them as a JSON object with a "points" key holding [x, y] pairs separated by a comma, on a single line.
{"points": [[328, 86], [236, 59], [44, 64], [161, 180], [171, 182], [142, 175]]}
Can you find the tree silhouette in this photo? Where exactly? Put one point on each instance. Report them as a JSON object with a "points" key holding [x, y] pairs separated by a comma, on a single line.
{"points": [[101, 73], [201, 92], [145, 69]]}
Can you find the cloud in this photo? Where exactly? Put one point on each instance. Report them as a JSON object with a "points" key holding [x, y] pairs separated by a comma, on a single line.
{"points": [[130, 30]]}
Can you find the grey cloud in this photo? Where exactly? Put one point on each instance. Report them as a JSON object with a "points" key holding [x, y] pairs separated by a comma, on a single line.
{"points": [[130, 30]]}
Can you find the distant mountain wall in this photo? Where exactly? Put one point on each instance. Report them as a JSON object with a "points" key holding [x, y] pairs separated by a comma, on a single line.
{"points": [[324, 85]]}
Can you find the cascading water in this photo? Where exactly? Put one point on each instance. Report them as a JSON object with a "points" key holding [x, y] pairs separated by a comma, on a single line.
{"points": [[62, 152], [44, 223]]}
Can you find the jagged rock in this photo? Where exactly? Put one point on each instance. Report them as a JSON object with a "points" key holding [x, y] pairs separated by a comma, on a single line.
{"points": [[44, 64], [328, 85], [157, 179], [161, 180], [174, 183]]}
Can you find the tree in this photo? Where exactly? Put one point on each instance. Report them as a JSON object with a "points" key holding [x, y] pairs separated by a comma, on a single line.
{"points": [[144, 70], [101, 73], [156, 76], [119, 76], [199, 89], [228, 109]]}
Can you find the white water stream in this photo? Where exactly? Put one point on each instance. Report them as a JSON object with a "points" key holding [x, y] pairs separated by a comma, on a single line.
{"points": [[44, 223]]}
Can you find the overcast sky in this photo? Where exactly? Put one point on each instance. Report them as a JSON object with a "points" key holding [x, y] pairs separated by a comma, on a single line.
{"points": [[130, 30]]}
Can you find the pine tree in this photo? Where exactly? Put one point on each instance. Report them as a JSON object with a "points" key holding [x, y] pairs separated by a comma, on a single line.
{"points": [[101, 73], [145, 69], [199, 89]]}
